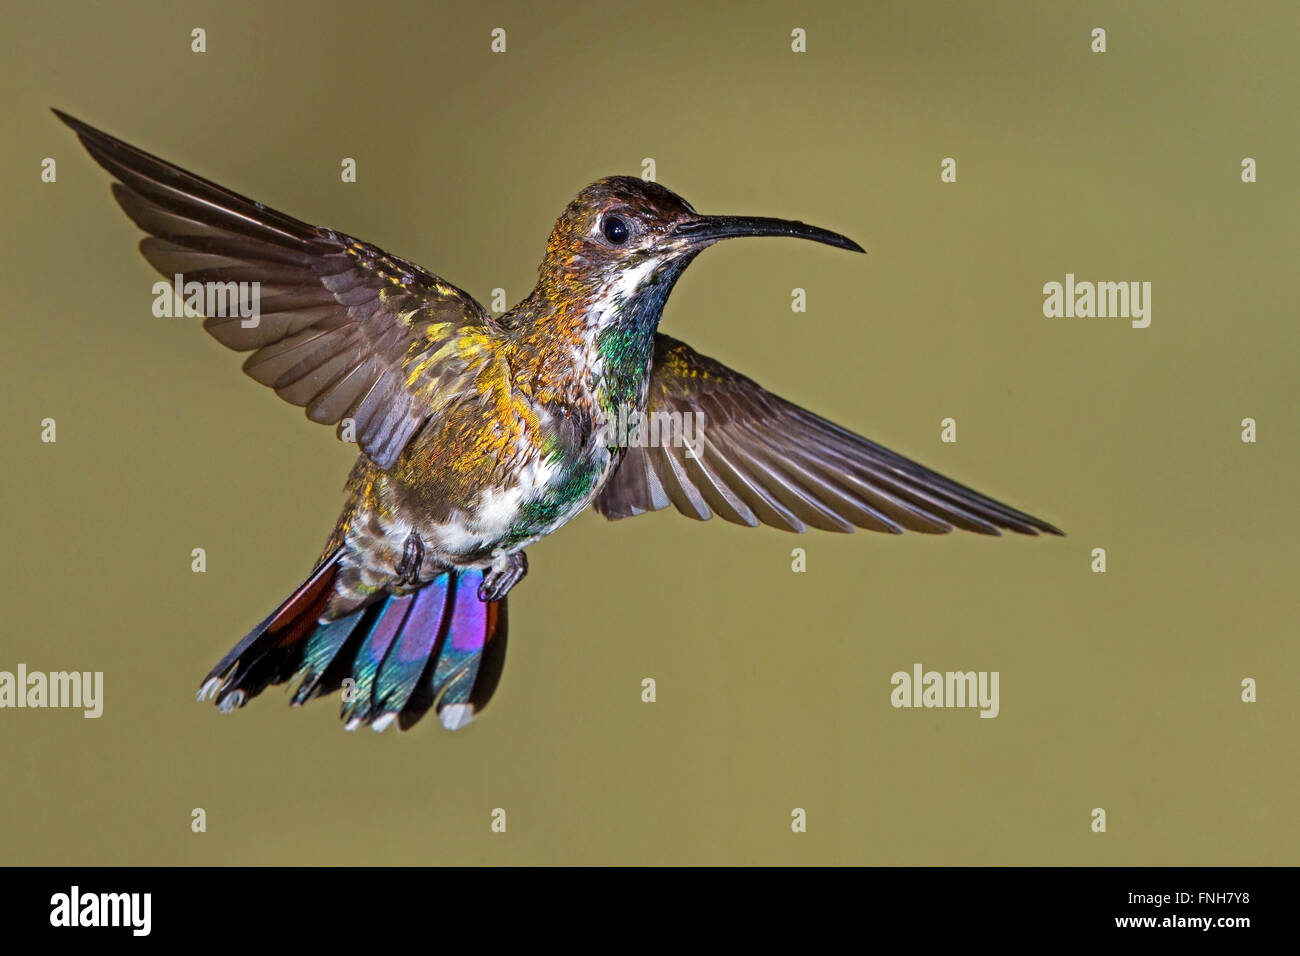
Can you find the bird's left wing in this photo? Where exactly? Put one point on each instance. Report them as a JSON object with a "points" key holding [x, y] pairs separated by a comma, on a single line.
{"points": [[753, 458], [344, 329]]}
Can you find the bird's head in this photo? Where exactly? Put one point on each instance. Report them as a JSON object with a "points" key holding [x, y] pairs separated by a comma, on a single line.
{"points": [[622, 242]]}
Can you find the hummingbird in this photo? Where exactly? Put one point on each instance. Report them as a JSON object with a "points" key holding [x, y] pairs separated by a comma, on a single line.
{"points": [[480, 434]]}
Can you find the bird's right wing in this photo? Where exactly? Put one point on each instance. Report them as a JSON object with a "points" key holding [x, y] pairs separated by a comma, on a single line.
{"points": [[756, 458], [345, 329]]}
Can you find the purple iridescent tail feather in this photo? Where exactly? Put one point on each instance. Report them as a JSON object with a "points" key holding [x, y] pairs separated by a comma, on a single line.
{"points": [[438, 647]]}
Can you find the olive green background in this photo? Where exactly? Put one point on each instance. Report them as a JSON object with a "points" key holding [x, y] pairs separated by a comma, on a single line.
{"points": [[1118, 690]]}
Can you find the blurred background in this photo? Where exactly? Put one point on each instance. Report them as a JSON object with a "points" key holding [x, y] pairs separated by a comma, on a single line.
{"points": [[1118, 690]]}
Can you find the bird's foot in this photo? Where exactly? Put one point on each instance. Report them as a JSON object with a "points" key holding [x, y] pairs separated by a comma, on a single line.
{"points": [[408, 570], [507, 570]]}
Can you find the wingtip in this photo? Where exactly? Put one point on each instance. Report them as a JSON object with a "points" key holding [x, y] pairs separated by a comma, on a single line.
{"points": [[1048, 528], [88, 134], [1042, 527], [67, 120]]}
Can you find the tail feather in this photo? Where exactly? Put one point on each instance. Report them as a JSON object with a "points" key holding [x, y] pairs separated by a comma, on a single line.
{"points": [[248, 662], [358, 702], [322, 649], [439, 647], [406, 662], [457, 666]]}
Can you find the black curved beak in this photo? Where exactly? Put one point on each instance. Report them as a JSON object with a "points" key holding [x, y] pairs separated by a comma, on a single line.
{"points": [[707, 229]]}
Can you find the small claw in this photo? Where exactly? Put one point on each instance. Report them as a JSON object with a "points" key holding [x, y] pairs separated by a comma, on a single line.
{"points": [[506, 571], [408, 569]]}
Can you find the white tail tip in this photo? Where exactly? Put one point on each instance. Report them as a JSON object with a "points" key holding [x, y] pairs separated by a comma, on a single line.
{"points": [[456, 716]]}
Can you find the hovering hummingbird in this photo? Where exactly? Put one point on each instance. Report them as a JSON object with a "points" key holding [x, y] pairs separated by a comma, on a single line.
{"points": [[480, 435]]}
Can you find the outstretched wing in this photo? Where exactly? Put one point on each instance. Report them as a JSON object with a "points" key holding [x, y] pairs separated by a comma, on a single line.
{"points": [[345, 329], [755, 458]]}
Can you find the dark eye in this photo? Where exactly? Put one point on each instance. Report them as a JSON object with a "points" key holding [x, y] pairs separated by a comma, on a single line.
{"points": [[615, 230]]}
